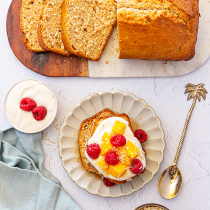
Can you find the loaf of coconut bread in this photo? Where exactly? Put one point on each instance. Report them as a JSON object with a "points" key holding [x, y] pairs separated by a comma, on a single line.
{"points": [[157, 29], [147, 29]]}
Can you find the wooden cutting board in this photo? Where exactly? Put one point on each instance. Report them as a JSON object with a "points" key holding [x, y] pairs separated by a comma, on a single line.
{"points": [[48, 64]]}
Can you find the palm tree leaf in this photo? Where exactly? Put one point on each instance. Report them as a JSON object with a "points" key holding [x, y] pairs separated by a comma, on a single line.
{"points": [[186, 91], [190, 84], [189, 90], [201, 85], [190, 87], [204, 90], [203, 95], [189, 96], [198, 97]]}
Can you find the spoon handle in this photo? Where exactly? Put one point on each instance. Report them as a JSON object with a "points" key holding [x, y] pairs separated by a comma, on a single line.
{"points": [[184, 132]]}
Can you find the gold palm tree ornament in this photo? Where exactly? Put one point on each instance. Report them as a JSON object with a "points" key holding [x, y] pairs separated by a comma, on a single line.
{"points": [[170, 181]]}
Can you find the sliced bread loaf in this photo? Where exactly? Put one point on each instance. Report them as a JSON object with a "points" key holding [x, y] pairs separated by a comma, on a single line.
{"points": [[87, 25], [29, 20], [50, 27]]}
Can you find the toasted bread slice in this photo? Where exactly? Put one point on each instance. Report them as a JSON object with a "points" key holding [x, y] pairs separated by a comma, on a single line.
{"points": [[49, 31], [29, 20], [85, 133], [87, 26], [87, 129]]}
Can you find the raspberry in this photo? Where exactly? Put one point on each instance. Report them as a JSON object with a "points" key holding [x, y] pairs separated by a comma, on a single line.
{"points": [[118, 140], [27, 104], [93, 151], [140, 135], [108, 183], [136, 166], [39, 113], [112, 158]]}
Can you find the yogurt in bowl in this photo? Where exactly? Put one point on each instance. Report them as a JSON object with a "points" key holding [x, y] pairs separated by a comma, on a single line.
{"points": [[41, 93]]}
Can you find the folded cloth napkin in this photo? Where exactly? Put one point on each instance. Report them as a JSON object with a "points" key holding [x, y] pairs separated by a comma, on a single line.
{"points": [[25, 183]]}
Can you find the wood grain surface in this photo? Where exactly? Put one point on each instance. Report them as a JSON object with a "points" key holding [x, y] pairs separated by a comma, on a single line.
{"points": [[48, 63]]}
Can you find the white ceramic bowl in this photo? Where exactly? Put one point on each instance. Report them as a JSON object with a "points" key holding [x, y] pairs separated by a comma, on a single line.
{"points": [[34, 130], [141, 115]]}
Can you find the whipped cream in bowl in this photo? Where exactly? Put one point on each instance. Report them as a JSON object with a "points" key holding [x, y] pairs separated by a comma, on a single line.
{"points": [[41, 93]]}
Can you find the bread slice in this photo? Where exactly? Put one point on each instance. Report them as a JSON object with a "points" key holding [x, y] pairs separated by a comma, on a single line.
{"points": [[85, 133], [158, 29], [29, 19], [87, 25], [87, 129], [49, 32]]}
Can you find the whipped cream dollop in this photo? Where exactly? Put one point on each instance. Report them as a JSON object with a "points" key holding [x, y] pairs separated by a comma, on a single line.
{"points": [[41, 94], [106, 126]]}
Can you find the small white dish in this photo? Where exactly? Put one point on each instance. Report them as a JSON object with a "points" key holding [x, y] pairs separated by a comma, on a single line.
{"points": [[43, 96], [141, 116]]}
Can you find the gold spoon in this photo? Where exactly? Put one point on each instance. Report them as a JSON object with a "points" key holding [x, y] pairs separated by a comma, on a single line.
{"points": [[170, 181]]}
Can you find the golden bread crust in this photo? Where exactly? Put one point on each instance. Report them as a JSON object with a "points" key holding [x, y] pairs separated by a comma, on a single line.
{"points": [[29, 23], [85, 133], [169, 33], [191, 7], [64, 28]]}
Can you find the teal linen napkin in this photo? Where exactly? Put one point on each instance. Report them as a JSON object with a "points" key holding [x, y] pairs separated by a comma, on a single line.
{"points": [[25, 184]]}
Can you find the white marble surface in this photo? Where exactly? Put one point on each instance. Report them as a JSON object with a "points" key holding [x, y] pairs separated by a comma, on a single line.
{"points": [[164, 95]]}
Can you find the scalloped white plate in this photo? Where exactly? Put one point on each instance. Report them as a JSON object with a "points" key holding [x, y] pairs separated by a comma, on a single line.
{"points": [[141, 115]]}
